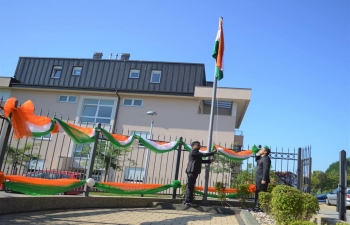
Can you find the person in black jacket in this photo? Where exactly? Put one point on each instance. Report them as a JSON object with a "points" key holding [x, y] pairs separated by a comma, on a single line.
{"points": [[194, 168], [262, 177]]}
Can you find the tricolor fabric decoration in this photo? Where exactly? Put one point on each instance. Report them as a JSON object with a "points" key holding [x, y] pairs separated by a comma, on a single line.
{"points": [[39, 186], [160, 147], [218, 53], [78, 134], [130, 188], [26, 124]]}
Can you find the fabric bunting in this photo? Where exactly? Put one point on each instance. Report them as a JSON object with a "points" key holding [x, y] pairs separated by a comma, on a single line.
{"points": [[116, 188], [79, 135], [26, 124], [117, 139], [158, 147], [39, 186]]}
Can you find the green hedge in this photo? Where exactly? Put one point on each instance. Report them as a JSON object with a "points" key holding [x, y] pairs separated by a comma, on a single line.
{"points": [[288, 205]]}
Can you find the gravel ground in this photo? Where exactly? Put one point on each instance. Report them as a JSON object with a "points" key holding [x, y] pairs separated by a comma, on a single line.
{"points": [[263, 219]]}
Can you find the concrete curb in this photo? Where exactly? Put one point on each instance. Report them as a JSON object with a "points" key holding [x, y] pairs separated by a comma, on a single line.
{"points": [[247, 218], [205, 209]]}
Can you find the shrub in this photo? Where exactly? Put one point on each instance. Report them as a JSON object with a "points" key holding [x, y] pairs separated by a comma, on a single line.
{"points": [[286, 204], [220, 189], [183, 191], [301, 222], [310, 206], [270, 187], [243, 193], [265, 201]]}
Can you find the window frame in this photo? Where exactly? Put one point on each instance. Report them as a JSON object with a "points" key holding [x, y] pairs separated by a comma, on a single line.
{"points": [[156, 72], [54, 69], [133, 70], [99, 98], [67, 99], [81, 69], [87, 156], [132, 103]]}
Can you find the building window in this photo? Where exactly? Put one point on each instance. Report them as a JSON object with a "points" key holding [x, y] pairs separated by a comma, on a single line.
{"points": [[134, 174], [155, 76], [35, 164], [97, 111], [67, 98], [56, 72], [77, 70], [134, 74], [132, 102], [82, 151]]}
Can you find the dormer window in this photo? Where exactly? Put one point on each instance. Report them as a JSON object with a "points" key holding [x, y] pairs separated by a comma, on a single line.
{"points": [[77, 70], [134, 74], [56, 72], [155, 76]]}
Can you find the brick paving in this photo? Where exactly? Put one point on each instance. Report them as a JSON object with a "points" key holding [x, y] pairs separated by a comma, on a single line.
{"points": [[140, 216]]}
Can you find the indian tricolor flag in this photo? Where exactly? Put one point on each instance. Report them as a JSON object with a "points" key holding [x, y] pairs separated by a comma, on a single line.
{"points": [[218, 53]]}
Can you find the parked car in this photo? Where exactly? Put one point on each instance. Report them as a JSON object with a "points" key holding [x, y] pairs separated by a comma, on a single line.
{"points": [[331, 198], [322, 197]]}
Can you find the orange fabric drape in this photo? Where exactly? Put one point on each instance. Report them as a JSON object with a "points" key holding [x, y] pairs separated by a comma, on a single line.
{"points": [[41, 181]]}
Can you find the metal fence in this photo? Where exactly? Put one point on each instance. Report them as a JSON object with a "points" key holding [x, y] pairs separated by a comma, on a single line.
{"points": [[56, 156]]}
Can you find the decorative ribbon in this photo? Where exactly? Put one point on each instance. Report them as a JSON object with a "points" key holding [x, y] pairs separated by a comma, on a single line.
{"points": [[26, 124]]}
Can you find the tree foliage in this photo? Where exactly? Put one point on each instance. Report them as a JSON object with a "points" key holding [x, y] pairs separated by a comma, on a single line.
{"points": [[286, 178], [326, 181], [20, 156], [108, 156]]}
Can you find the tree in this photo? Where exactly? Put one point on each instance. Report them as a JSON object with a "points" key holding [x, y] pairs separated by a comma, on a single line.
{"points": [[318, 181], [286, 178], [107, 156], [20, 156], [333, 175]]}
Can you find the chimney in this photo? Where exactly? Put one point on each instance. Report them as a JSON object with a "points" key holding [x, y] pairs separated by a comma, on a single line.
{"points": [[97, 55], [125, 56]]}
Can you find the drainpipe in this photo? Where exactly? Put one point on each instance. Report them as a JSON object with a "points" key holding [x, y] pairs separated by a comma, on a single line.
{"points": [[116, 113]]}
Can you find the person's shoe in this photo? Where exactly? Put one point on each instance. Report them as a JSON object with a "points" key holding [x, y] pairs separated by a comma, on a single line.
{"points": [[190, 204]]}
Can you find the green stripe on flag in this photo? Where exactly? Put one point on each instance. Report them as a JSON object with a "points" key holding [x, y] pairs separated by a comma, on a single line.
{"points": [[218, 73], [216, 50]]}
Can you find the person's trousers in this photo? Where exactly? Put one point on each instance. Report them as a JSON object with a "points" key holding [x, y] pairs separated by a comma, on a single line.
{"points": [[260, 187], [191, 181]]}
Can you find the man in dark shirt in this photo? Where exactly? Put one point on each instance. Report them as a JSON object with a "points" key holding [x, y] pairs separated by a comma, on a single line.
{"points": [[194, 168], [262, 177]]}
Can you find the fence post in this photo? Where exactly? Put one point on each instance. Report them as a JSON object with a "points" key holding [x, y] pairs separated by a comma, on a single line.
{"points": [[342, 185], [299, 171], [4, 137], [310, 174], [92, 160], [178, 159]]}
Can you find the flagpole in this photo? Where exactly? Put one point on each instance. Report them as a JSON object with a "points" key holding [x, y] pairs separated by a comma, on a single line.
{"points": [[211, 121]]}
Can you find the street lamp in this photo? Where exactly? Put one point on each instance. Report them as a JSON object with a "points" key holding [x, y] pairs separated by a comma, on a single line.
{"points": [[150, 113]]}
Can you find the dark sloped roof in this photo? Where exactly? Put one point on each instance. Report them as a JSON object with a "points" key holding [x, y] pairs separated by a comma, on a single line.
{"points": [[107, 75]]}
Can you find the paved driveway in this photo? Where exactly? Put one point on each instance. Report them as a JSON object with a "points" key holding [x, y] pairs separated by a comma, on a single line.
{"points": [[144, 216], [331, 211]]}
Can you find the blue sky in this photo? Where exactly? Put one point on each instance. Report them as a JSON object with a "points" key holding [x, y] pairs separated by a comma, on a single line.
{"points": [[293, 54]]}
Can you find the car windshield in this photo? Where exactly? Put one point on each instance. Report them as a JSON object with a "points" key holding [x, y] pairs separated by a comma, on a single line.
{"points": [[348, 192]]}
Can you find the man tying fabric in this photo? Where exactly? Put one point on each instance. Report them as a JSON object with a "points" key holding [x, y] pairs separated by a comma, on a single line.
{"points": [[194, 168]]}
